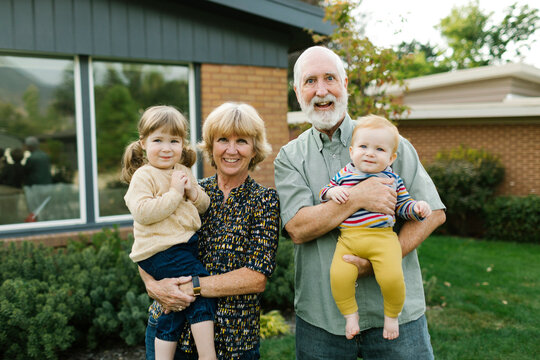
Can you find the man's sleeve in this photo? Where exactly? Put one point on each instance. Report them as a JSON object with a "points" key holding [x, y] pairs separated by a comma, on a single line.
{"points": [[415, 177], [291, 184]]}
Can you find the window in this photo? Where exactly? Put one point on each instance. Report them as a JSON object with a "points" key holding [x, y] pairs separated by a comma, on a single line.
{"points": [[39, 172], [122, 91]]}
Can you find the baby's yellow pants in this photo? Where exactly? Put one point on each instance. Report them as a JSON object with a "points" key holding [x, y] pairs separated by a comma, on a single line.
{"points": [[381, 247]]}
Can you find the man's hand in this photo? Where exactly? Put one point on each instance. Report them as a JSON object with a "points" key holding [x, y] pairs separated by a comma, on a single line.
{"points": [[375, 195], [363, 265]]}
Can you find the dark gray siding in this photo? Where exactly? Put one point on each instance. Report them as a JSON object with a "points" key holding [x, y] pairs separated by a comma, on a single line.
{"points": [[142, 30]]}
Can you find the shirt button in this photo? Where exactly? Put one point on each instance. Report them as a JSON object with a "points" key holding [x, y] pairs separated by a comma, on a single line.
{"points": [[334, 156]]}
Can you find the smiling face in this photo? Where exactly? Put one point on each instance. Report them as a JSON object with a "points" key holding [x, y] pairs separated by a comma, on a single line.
{"points": [[163, 150], [372, 149], [232, 155], [321, 92]]}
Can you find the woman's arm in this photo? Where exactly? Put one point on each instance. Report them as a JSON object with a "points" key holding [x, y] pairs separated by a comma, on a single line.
{"points": [[237, 282], [167, 291]]}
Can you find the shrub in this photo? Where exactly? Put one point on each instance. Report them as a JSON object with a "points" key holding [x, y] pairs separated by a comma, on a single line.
{"points": [[51, 300], [279, 292], [466, 179], [273, 324], [513, 218]]}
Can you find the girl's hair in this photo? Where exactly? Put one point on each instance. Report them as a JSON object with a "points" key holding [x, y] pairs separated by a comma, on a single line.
{"points": [[377, 122], [163, 117], [235, 119]]}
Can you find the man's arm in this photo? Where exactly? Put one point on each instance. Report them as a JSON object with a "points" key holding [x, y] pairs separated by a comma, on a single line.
{"points": [[311, 222], [413, 233]]}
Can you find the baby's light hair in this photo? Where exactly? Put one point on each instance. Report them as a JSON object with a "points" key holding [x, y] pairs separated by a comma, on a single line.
{"points": [[377, 122], [154, 118]]}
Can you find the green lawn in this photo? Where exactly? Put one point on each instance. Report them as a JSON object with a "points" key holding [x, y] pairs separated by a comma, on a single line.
{"points": [[483, 297]]}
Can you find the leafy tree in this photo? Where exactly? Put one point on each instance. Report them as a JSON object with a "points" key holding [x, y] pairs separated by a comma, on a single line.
{"points": [[116, 119], [120, 99], [370, 68], [424, 59], [475, 41]]}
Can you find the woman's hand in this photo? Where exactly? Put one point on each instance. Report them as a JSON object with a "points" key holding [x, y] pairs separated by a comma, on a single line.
{"points": [[167, 291]]}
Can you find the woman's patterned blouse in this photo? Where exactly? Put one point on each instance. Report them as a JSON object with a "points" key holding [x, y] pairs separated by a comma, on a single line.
{"points": [[241, 232]]}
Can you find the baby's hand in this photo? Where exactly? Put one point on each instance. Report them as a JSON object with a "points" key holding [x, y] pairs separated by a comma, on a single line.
{"points": [[422, 209], [179, 181], [339, 194]]}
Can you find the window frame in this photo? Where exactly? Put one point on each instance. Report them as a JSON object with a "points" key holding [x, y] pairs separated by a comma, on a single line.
{"points": [[89, 213]]}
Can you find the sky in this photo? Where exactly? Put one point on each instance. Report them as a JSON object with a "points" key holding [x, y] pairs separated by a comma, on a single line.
{"points": [[389, 22]]}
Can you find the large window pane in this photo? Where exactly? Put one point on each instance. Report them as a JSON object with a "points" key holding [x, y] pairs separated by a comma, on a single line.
{"points": [[122, 91], [38, 141]]}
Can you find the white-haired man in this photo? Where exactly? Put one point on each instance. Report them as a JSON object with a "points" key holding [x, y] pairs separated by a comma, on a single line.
{"points": [[302, 168]]}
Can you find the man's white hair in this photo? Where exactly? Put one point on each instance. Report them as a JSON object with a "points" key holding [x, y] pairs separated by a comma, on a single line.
{"points": [[298, 66]]}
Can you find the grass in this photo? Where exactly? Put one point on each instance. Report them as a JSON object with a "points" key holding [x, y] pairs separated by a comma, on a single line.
{"points": [[483, 300]]}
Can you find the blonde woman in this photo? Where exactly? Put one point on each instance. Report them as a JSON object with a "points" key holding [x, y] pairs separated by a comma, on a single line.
{"points": [[237, 241]]}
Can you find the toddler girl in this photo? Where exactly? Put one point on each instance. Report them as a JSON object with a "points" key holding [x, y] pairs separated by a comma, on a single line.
{"points": [[165, 201]]}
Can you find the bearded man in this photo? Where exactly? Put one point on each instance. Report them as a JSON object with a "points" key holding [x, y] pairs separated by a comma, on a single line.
{"points": [[302, 168]]}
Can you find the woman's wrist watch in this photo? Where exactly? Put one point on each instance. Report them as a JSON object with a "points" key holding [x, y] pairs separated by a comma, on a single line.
{"points": [[196, 285]]}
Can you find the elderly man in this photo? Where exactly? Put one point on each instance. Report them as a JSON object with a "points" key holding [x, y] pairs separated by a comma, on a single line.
{"points": [[302, 168]]}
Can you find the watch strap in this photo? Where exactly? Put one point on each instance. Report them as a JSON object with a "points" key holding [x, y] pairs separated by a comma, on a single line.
{"points": [[196, 285]]}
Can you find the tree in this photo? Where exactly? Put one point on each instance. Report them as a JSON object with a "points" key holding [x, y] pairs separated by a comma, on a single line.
{"points": [[475, 41], [424, 59], [370, 69]]}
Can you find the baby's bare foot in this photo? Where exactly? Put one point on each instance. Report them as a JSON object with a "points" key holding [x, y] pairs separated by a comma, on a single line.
{"points": [[391, 328], [351, 326]]}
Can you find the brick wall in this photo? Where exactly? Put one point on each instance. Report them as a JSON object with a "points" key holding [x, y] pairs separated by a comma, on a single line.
{"points": [[518, 147], [61, 239], [263, 88]]}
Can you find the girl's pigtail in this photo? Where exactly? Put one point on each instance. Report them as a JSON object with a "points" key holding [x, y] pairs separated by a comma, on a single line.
{"points": [[189, 156], [132, 160]]}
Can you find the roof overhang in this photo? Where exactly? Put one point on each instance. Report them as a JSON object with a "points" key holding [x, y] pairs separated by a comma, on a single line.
{"points": [[527, 109], [293, 16], [508, 109], [291, 12], [464, 76]]}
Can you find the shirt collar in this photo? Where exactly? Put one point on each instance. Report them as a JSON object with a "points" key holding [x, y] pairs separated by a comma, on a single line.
{"points": [[343, 132], [247, 183]]}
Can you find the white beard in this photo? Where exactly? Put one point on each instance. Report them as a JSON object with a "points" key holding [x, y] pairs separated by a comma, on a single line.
{"points": [[325, 120]]}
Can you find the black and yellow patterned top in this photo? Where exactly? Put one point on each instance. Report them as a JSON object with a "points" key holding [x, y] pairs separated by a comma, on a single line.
{"points": [[240, 232]]}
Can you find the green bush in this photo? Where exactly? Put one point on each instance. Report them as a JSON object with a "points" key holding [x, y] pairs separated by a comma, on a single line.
{"points": [[273, 324], [279, 292], [85, 294], [513, 218], [466, 180]]}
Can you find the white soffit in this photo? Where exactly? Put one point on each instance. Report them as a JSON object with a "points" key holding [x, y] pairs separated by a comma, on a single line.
{"points": [[515, 70], [505, 109]]}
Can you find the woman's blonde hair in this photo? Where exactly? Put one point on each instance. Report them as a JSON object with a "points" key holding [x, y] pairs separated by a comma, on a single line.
{"points": [[163, 117], [235, 119], [377, 122]]}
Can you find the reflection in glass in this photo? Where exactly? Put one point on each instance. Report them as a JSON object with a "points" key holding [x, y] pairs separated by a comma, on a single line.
{"points": [[122, 92], [38, 141]]}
